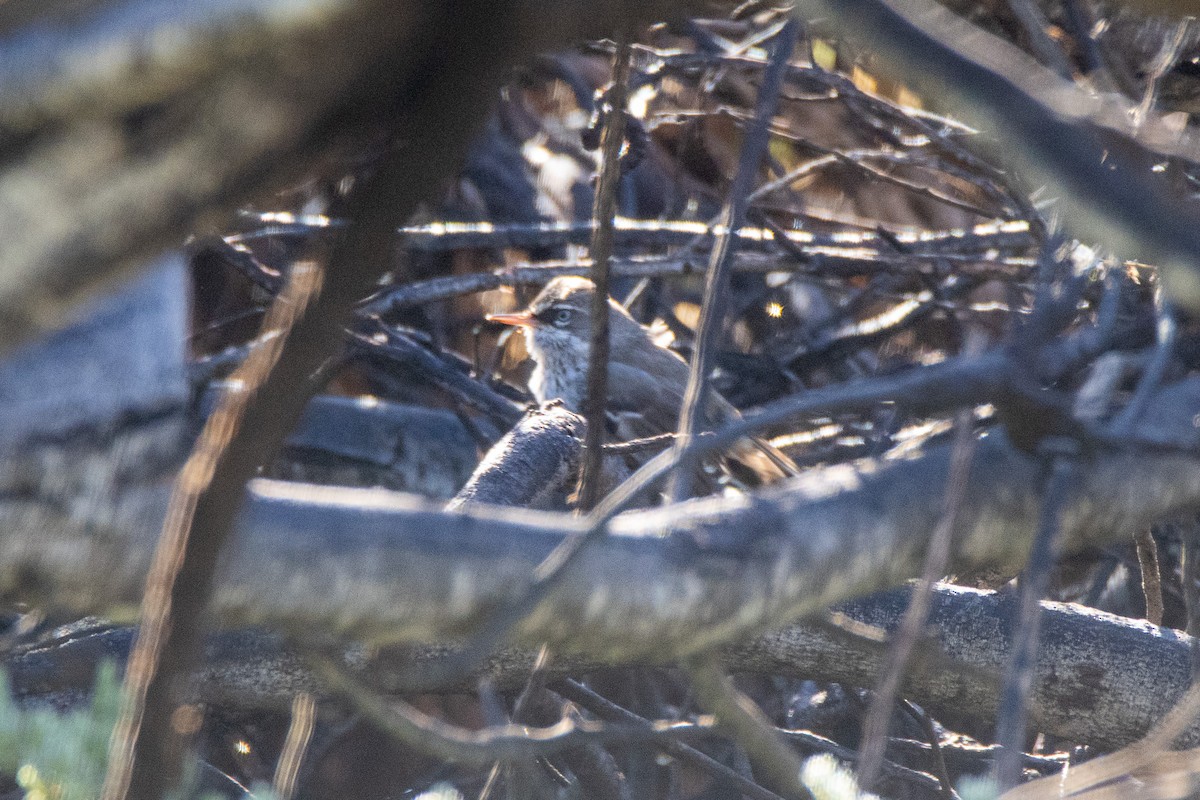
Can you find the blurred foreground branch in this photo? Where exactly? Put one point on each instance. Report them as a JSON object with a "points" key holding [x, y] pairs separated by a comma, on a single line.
{"points": [[389, 567], [1094, 152], [128, 124]]}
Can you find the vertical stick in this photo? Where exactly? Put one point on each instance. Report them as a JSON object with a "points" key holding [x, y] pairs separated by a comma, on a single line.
{"points": [[908, 636], [299, 734], [733, 217], [603, 213], [153, 726], [1018, 675], [1147, 553]]}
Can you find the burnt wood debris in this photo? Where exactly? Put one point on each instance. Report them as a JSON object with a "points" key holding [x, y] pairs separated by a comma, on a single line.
{"points": [[261, 448]]}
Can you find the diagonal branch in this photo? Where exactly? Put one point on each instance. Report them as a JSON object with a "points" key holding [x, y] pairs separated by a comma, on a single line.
{"points": [[181, 572], [733, 217], [510, 742], [1051, 129], [746, 723]]}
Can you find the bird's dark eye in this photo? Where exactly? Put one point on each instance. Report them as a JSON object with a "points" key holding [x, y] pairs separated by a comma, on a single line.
{"points": [[562, 316]]}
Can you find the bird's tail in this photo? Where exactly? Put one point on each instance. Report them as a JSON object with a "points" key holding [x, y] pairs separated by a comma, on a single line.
{"points": [[755, 462]]}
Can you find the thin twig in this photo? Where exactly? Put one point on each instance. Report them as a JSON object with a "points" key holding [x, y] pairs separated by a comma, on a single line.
{"points": [[1018, 677], [606, 709], [860, 164], [972, 757], [181, 574], [875, 728], [295, 744], [593, 768], [202, 249], [601, 252], [738, 714], [500, 743], [656, 442], [825, 261], [935, 746], [1105, 195], [811, 741], [1147, 554], [733, 216], [374, 340]]}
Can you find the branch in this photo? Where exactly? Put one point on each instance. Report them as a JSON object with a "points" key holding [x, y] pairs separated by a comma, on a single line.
{"points": [[510, 742], [745, 722], [815, 260], [145, 120], [392, 567], [709, 327], [1100, 678], [612, 136], [216, 84], [1050, 128], [529, 467], [437, 237]]}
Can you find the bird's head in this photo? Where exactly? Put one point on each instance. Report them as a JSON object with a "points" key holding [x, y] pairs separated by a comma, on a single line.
{"points": [[559, 318]]}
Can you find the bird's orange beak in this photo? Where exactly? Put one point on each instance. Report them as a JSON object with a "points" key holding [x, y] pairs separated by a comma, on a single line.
{"points": [[521, 319]]}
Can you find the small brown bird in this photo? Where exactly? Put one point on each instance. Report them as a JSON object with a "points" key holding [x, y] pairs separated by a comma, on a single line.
{"points": [[646, 381]]}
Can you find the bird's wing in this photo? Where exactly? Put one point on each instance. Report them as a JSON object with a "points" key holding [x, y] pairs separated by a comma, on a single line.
{"points": [[647, 403]]}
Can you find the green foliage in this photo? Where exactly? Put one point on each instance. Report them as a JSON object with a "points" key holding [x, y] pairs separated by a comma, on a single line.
{"points": [[59, 756], [63, 756]]}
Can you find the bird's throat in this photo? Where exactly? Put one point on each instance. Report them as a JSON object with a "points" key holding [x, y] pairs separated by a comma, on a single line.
{"points": [[561, 371]]}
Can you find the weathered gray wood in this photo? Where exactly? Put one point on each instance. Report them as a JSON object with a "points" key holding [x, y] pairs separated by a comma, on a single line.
{"points": [[348, 441], [390, 567], [531, 465], [137, 118], [96, 420], [125, 356], [128, 124], [1100, 679]]}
